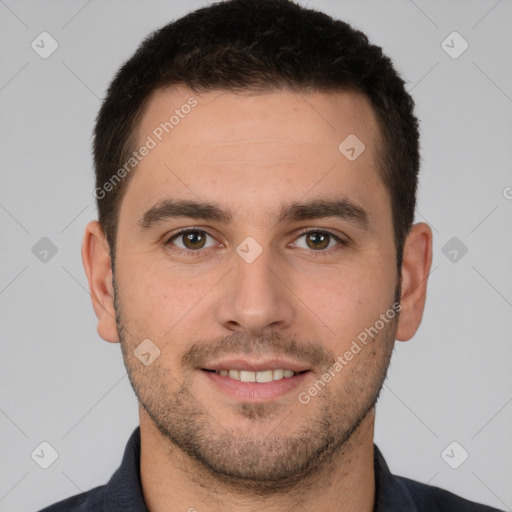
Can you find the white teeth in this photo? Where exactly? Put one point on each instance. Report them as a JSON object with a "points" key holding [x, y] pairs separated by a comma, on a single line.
{"points": [[234, 374], [278, 374], [247, 376], [261, 376], [265, 376]]}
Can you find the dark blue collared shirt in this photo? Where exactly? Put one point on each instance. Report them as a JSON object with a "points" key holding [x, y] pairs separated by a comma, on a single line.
{"points": [[123, 493]]}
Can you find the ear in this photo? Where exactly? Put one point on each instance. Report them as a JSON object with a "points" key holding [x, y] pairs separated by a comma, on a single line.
{"points": [[97, 265], [417, 259]]}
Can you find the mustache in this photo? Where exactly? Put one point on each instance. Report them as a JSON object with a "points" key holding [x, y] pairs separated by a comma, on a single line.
{"points": [[201, 352]]}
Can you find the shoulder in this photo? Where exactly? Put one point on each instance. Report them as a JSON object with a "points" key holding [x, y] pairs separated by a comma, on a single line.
{"points": [[430, 498], [89, 501], [123, 491]]}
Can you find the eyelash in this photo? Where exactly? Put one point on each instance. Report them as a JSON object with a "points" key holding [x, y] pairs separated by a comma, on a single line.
{"points": [[191, 253]]}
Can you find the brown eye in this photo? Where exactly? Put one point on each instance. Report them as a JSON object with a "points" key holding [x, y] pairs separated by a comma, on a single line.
{"points": [[318, 240], [190, 239], [193, 240]]}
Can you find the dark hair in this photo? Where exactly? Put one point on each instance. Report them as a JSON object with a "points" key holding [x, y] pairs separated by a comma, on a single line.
{"points": [[257, 46]]}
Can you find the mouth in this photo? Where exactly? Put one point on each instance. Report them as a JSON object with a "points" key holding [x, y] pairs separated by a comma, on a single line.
{"points": [[256, 376], [255, 381]]}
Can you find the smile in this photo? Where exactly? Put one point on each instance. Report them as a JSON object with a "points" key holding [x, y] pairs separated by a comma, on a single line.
{"points": [[259, 376]]}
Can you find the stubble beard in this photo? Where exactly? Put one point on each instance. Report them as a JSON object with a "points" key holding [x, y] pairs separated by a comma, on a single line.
{"points": [[242, 459]]}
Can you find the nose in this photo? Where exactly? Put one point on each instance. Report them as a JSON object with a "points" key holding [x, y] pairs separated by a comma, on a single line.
{"points": [[256, 297]]}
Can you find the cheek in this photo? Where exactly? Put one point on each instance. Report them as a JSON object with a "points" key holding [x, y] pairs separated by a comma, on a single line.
{"points": [[157, 301], [348, 299]]}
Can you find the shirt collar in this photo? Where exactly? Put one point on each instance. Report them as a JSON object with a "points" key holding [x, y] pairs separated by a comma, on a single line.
{"points": [[390, 492], [124, 490]]}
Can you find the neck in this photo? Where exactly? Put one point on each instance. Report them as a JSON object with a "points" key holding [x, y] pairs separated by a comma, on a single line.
{"points": [[171, 481]]}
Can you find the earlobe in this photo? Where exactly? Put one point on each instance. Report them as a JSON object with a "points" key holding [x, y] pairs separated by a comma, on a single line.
{"points": [[417, 260], [97, 265]]}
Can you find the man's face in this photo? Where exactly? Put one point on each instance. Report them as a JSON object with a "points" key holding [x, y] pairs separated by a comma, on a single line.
{"points": [[256, 293]]}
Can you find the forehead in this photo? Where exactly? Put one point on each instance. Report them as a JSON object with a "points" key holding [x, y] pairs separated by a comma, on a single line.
{"points": [[245, 148], [227, 116]]}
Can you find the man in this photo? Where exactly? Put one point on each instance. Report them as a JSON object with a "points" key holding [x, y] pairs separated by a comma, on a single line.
{"points": [[256, 169]]}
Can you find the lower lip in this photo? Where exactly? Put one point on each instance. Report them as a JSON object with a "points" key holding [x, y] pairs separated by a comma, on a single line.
{"points": [[256, 391]]}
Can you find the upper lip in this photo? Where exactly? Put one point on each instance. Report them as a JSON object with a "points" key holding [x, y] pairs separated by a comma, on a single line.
{"points": [[238, 363]]}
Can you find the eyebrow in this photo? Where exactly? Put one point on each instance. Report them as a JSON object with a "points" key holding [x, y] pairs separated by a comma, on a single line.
{"points": [[342, 208]]}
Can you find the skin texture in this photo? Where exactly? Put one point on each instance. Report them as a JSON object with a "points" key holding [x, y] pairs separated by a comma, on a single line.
{"points": [[304, 299]]}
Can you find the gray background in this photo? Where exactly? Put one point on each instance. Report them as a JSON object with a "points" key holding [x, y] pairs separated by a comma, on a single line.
{"points": [[62, 384]]}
